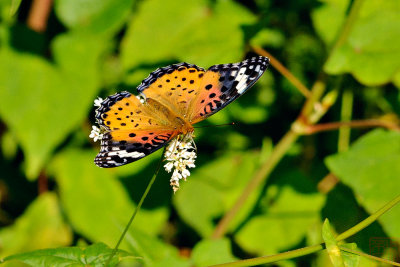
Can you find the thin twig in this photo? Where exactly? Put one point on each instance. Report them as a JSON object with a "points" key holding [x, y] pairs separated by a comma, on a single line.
{"points": [[284, 71], [136, 211], [359, 253], [345, 116], [39, 14], [355, 229], [351, 18], [327, 183], [312, 129]]}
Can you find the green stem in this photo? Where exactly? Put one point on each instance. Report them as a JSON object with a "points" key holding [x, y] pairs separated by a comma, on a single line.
{"points": [[351, 18], [359, 253], [368, 221], [136, 211], [311, 249], [346, 112], [273, 258]]}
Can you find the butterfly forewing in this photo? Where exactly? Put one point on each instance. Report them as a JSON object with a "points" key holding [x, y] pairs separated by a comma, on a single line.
{"points": [[132, 130], [174, 86], [224, 83]]}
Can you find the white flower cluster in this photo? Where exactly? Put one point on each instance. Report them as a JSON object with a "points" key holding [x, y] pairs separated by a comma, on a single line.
{"points": [[96, 133], [180, 155]]}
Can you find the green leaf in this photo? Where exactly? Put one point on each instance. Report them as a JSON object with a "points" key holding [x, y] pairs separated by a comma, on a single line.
{"points": [[96, 203], [371, 46], [209, 208], [40, 226], [331, 245], [282, 226], [41, 108], [8, 8], [93, 16], [186, 31], [329, 18], [210, 252], [154, 251], [371, 168], [94, 255], [222, 181]]}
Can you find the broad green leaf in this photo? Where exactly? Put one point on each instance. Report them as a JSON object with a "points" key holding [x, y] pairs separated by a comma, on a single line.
{"points": [[41, 108], [8, 8], [186, 31], [371, 168], [96, 203], [291, 209], [40, 226], [93, 16], [208, 209], [217, 184], [328, 18], [372, 45], [154, 251], [210, 252], [331, 245], [94, 255]]}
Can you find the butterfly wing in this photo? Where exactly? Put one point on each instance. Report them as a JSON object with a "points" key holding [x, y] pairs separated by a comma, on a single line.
{"points": [[132, 130], [174, 86], [224, 83]]}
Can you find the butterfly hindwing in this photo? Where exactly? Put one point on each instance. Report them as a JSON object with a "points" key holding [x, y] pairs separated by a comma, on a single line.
{"points": [[132, 130], [123, 147], [224, 83]]}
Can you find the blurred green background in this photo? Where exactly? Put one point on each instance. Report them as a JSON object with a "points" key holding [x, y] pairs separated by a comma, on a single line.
{"points": [[54, 63]]}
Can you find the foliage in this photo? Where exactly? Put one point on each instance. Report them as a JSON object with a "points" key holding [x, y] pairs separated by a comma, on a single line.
{"points": [[58, 208]]}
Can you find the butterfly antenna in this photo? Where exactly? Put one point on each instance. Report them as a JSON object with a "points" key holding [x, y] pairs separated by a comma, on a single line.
{"points": [[218, 125]]}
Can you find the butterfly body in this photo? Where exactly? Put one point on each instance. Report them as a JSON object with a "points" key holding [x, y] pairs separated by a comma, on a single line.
{"points": [[173, 99]]}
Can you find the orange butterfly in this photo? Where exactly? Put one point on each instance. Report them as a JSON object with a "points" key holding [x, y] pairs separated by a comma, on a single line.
{"points": [[170, 101]]}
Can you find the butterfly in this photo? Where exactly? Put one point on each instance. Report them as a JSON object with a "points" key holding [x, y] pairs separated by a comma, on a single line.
{"points": [[171, 100]]}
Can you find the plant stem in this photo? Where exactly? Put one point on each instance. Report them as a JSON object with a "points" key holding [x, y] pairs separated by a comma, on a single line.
{"points": [[273, 258], [346, 112], [355, 229], [284, 71], [312, 129], [136, 211], [280, 150], [38, 15], [359, 253], [351, 18], [311, 249]]}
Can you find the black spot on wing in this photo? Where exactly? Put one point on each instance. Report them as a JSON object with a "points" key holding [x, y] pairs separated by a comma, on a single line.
{"points": [[165, 70]]}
